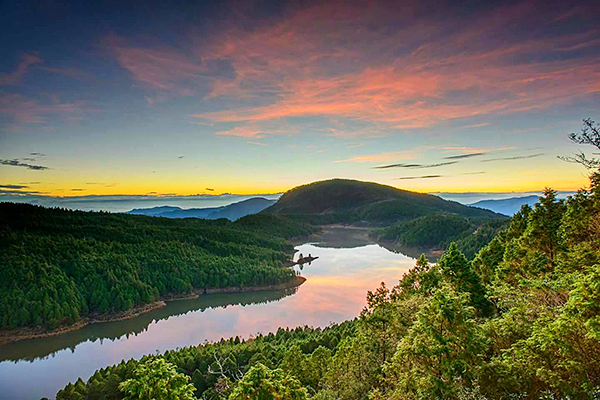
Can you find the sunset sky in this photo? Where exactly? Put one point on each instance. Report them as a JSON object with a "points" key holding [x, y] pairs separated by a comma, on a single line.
{"points": [[251, 97]]}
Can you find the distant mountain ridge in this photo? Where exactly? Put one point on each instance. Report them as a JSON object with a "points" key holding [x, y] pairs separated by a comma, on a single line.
{"points": [[231, 212], [508, 206], [343, 200]]}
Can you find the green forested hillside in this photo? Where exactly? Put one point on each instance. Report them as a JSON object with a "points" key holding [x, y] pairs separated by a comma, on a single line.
{"points": [[521, 321], [58, 266], [439, 230], [342, 200]]}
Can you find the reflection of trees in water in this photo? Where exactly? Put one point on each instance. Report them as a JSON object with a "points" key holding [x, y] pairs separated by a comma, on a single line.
{"points": [[33, 349], [344, 238], [414, 252]]}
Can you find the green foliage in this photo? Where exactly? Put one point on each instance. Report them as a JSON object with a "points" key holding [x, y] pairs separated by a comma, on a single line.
{"points": [[236, 357], [157, 379], [262, 383], [488, 259], [458, 271], [59, 266], [543, 226], [521, 321], [439, 230], [471, 242], [442, 346], [428, 231]]}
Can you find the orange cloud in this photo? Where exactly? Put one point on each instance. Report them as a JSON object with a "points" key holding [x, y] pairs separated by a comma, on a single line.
{"points": [[389, 156], [375, 65], [243, 131]]}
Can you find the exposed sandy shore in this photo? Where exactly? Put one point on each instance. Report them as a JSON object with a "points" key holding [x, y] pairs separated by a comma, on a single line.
{"points": [[13, 335]]}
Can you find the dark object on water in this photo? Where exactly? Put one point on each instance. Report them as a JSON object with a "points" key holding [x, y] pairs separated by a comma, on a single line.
{"points": [[304, 260]]}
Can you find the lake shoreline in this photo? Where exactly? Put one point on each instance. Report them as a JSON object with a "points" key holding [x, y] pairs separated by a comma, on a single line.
{"points": [[14, 335]]}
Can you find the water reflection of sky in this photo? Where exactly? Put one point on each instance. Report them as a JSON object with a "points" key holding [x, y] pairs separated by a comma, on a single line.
{"points": [[334, 291]]}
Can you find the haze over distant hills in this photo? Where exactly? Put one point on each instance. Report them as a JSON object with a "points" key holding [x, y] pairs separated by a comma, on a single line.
{"points": [[124, 203], [512, 205], [469, 198], [232, 211], [507, 206]]}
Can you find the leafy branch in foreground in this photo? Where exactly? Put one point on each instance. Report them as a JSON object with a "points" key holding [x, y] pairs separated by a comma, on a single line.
{"points": [[589, 135]]}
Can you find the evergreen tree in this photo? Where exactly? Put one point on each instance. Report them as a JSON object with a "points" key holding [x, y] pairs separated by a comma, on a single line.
{"points": [[543, 226], [262, 383], [459, 272], [156, 379]]}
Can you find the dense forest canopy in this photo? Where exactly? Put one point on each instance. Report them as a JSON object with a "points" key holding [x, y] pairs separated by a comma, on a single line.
{"points": [[59, 266], [439, 230], [520, 321]]}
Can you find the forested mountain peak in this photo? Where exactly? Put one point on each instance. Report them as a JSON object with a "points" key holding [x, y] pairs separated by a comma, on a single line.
{"points": [[352, 200]]}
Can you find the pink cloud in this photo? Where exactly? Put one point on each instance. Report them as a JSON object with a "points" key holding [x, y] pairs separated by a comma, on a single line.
{"points": [[70, 72], [392, 70], [24, 110], [164, 70], [388, 156], [13, 78], [256, 143], [243, 131]]}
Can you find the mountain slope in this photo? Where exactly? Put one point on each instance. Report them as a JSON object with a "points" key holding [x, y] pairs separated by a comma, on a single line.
{"points": [[342, 200], [154, 211], [232, 211], [507, 206], [238, 210]]}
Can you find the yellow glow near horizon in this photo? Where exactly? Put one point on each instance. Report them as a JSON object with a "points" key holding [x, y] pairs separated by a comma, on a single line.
{"points": [[161, 188]]}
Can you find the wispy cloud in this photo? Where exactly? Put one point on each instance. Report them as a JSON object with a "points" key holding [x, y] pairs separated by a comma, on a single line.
{"points": [[440, 176], [385, 157], [20, 110], [410, 72], [476, 125], [70, 72], [15, 77], [514, 158], [354, 145], [20, 193], [420, 177], [243, 131], [415, 166], [14, 186], [461, 156], [17, 163], [440, 76]]}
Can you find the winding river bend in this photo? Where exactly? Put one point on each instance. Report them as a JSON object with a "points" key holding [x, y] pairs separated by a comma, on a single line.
{"points": [[349, 264]]}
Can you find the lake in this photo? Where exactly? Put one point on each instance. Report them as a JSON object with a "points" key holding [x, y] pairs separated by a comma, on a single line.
{"points": [[349, 264]]}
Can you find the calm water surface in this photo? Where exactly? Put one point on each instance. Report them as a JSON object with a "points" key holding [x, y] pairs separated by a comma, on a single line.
{"points": [[335, 289]]}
